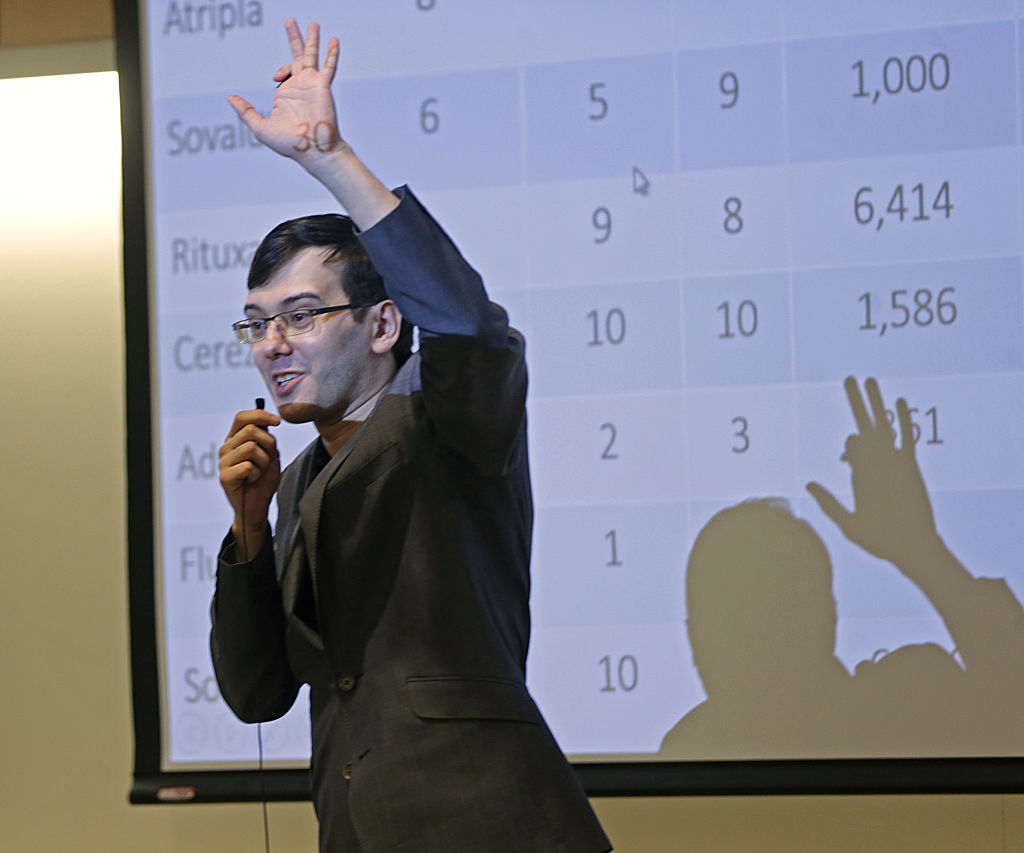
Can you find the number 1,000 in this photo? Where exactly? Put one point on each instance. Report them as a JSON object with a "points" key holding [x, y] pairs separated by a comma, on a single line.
{"points": [[628, 673], [917, 73]]}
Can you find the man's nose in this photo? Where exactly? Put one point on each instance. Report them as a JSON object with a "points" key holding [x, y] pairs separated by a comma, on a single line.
{"points": [[274, 340]]}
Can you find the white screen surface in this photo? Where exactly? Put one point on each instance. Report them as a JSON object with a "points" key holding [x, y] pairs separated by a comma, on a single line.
{"points": [[703, 217]]}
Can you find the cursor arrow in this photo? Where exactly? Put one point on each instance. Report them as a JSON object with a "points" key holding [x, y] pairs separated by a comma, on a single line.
{"points": [[640, 183]]}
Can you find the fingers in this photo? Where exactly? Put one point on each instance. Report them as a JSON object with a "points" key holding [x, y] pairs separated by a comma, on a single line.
{"points": [[331, 60], [875, 420], [291, 27], [830, 505], [246, 111], [860, 412], [250, 440], [245, 463], [256, 417], [312, 54], [257, 439], [249, 434], [906, 425], [247, 453], [877, 406], [306, 53]]}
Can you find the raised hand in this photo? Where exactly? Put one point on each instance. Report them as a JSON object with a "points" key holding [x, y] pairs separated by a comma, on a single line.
{"points": [[303, 123], [892, 516], [250, 470]]}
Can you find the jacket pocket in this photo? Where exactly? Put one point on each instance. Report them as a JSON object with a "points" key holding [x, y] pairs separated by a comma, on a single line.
{"points": [[470, 698]]}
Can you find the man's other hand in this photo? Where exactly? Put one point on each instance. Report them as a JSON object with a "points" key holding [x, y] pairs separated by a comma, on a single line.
{"points": [[250, 470]]}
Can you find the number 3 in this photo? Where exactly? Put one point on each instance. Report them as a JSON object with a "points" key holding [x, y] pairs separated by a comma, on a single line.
{"points": [[744, 440], [303, 135]]}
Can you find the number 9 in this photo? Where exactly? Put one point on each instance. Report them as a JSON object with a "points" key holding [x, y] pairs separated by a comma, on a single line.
{"points": [[729, 85], [602, 220]]}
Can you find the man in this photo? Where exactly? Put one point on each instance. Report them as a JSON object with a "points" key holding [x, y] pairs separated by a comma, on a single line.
{"points": [[400, 585]]}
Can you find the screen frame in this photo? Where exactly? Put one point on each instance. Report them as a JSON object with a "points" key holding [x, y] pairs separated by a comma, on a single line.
{"points": [[153, 784]]}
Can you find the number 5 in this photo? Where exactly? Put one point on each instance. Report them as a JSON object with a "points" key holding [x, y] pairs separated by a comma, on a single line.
{"points": [[597, 99], [899, 306]]}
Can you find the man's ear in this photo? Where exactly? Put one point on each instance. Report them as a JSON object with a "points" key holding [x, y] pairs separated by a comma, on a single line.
{"points": [[386, 324]]}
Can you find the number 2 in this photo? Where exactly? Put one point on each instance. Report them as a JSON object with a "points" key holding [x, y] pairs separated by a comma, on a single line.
{"points": [[607, 452]]}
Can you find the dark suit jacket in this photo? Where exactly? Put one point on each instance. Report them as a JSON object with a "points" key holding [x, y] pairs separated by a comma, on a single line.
{"points": [[401, 592]]}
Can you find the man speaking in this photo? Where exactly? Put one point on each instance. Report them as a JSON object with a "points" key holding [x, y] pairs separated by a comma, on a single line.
{"points": [[397, 581]]}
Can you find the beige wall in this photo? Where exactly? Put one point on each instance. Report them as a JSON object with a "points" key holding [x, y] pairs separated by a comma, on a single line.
{"points": [[66, 738], [32, 22]]}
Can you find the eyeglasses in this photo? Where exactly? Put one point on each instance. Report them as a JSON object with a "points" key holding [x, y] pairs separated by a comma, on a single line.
{"points": [[289, 323]]}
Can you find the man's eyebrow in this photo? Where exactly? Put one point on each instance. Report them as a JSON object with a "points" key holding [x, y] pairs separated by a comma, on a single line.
{"points": [[289, 300]]}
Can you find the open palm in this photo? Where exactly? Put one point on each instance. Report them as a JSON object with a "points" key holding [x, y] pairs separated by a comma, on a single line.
{"points": [[303, 122], [892, 513]]}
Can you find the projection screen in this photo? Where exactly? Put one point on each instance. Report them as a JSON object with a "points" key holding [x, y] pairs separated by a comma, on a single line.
{"points": [[703, 216]]}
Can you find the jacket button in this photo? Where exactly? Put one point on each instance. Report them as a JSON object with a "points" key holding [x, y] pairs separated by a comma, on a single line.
{"points": [[346, 682], [346, 771]]}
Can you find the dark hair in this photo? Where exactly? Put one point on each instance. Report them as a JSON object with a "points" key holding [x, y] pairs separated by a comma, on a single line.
{"points": [[335, 234]]}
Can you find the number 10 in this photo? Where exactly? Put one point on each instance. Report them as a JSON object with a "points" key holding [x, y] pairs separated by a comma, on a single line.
{"points": [[628, 673]]}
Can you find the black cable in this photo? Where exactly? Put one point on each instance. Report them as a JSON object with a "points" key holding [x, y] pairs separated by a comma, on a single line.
{"points": [[263, 790], [259, 726]]}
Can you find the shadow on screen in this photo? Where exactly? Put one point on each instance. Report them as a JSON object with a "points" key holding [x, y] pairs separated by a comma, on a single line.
{"points": [[762, 626]]}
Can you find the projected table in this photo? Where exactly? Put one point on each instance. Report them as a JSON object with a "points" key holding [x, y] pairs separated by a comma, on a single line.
{"points": [[702, 221]]}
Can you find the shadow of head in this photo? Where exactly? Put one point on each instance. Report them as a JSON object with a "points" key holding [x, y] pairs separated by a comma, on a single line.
{"points": [[760, 610]]}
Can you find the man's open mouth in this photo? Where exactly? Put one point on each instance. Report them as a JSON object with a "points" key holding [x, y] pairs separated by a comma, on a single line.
{"points": [[283, 380]]}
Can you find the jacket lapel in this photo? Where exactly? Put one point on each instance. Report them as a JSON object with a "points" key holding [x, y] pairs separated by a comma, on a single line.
{"points": [[311, 502], [363, 444]]}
